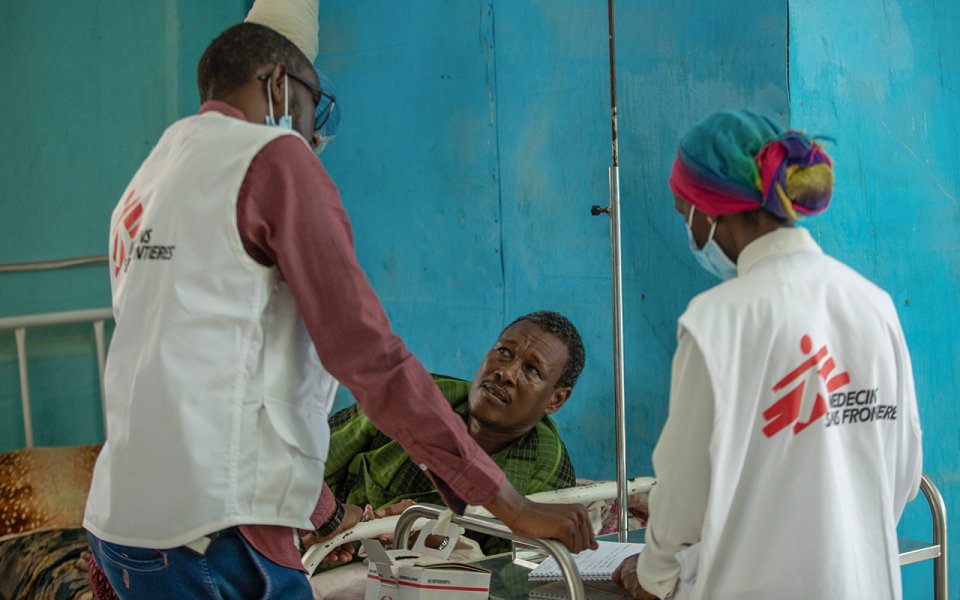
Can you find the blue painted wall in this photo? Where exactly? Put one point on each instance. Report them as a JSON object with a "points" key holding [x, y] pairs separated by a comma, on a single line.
{"points": [[474, 140], [885, 84]]}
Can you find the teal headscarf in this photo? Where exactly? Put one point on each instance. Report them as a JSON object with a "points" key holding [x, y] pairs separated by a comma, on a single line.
{"points": [[737, 161]]}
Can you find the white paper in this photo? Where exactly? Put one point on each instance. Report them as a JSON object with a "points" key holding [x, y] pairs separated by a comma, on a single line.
{"points": [[594, 565]]}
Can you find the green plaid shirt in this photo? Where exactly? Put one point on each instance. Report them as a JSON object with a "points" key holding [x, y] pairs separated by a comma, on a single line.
{"points": [[367, 467]]}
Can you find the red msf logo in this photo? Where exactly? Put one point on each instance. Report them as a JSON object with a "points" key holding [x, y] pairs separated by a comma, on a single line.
{"points": [[786, 411], [129, 224]]}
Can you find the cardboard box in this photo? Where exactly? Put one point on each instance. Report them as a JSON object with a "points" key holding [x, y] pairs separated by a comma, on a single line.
{"points": [[421, 574]]}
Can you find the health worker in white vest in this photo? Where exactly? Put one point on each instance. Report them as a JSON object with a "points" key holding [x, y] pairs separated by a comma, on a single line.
{"points": [[239, 308], [792, 441]]}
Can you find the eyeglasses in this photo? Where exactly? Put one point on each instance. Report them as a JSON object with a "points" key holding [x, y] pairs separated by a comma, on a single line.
{"points": [[321, 110]]}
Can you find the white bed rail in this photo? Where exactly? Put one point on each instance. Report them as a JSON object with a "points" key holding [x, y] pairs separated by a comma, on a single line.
{"points": [[19, 325], [591, 495]]}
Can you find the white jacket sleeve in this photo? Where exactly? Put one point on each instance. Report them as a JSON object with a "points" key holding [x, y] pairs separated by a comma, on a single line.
{"points": [[910, 455], [681, 463]]}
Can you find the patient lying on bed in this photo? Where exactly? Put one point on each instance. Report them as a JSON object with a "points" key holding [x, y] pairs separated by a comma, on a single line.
{"points": [[527, 375]]}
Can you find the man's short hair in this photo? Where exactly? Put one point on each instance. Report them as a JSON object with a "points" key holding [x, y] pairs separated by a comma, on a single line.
{"points": [[560, 326], [231, 59]]}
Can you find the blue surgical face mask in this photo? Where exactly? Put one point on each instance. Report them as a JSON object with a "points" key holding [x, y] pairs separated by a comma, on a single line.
{"points": [[286, 121], [711, 257]]}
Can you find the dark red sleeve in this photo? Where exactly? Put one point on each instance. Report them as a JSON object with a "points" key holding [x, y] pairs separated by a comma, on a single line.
{"points": [[324, 508], [289, 215]]}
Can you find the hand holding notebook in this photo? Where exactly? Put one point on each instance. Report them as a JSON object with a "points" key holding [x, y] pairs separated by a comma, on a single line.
{"points": [[594, 565]]}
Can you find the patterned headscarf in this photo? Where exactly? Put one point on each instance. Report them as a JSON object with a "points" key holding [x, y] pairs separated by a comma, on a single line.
{"points": [[738, 161]]}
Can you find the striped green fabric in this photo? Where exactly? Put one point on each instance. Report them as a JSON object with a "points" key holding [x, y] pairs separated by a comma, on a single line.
{"points": [[367, 467]]}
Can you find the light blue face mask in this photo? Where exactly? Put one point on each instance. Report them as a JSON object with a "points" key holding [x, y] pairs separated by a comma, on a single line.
{"points": [[286, 121], [711, 257]]}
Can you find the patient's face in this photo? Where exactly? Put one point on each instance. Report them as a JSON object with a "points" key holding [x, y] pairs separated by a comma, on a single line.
{"points": [[517, 381]]}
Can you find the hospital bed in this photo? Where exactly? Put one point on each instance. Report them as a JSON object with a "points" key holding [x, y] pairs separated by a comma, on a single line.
{"points": [[911, 551]]}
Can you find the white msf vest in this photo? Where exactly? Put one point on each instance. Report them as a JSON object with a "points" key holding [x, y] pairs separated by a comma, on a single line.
{"points": [[216, 401], [816, 439]]}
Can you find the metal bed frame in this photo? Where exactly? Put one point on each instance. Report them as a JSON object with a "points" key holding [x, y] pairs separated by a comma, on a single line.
{"points": [[19, 325], [912, 551]]}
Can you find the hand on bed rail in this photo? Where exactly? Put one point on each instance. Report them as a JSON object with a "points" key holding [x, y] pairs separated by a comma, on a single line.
{"points": [[591, 495], [352, 514], [355, 515]]}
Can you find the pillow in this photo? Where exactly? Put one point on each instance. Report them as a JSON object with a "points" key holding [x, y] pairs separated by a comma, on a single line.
{"points": [[43, 489]]}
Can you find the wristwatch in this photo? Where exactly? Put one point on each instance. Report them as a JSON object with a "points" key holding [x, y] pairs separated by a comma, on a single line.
{"points": [[331, 525]]}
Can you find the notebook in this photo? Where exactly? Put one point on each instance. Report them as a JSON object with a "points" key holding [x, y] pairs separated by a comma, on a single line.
{"points": [[594, 565], [592, 590]]}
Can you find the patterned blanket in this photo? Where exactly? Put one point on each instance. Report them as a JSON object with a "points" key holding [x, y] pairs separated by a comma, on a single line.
{"points": [[41, 566], [42, 496]]}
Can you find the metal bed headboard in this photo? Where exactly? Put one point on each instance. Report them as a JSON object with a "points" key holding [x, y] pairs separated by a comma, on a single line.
{"points": [[19, 325]]}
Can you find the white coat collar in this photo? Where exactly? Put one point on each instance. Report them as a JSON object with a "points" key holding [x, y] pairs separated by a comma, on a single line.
{"points": [[784, 240]]}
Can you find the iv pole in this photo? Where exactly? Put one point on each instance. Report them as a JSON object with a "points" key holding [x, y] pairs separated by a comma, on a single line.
{"points": [[614, 212]]}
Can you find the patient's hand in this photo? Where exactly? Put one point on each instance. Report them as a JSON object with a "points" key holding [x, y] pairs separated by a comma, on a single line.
{"points": [[637, 506], [390, 510], [352, 514], [83, 563], [626, 577]]}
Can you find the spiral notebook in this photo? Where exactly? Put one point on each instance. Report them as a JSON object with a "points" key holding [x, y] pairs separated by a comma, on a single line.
{"points": [[593, 590], [594, 565]]}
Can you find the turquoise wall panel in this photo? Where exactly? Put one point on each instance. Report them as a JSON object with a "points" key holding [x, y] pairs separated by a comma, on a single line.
{"points": [[96, 84], [79, 123], [884, 83]]}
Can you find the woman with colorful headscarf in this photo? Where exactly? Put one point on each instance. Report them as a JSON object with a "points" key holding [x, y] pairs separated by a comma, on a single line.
{"points": [[792, 442]]}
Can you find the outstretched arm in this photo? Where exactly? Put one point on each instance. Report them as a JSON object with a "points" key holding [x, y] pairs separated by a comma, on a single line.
{"points": [[290, 216]]}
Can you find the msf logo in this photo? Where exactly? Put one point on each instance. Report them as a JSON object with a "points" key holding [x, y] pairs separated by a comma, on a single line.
{"points": [[786, 411], [125, 231]]}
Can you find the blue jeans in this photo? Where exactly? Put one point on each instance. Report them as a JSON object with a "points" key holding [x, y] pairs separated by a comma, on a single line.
{"points": [[231, 569]]}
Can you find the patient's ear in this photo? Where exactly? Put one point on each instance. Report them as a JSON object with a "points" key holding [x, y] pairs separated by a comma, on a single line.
{"points": [[558, 399]]}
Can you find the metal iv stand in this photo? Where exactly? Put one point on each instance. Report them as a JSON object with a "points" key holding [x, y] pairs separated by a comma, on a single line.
{"points": [[614, 212]]}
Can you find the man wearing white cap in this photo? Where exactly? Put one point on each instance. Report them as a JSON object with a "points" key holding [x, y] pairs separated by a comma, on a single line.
{"points": [[239, 306]]}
